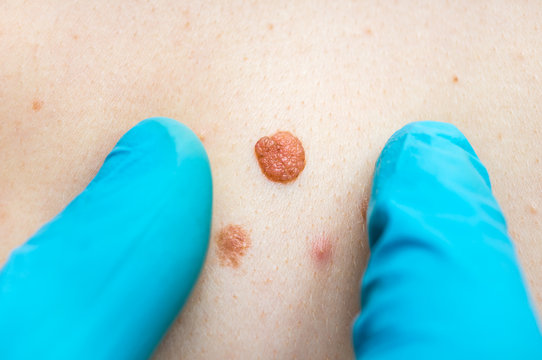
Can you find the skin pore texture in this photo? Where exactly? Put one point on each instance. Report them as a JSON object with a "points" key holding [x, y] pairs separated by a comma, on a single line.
{"points": [[341, 76]]}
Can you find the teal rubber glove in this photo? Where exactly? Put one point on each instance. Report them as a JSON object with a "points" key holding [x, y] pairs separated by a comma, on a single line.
{"points": [[107, 276], [443, 280]]}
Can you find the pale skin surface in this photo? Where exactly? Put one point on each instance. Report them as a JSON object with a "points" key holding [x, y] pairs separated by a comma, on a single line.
{"points": [[341, 76]]}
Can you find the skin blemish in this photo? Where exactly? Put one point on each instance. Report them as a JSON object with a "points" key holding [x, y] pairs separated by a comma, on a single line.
{"points": [[455, 79], [364, 205], [281, 156], [321, 250], [37, 105], [232, 244], [270, 26]]}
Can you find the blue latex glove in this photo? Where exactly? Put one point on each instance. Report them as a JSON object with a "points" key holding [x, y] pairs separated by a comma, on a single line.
{"points": [[107, 276], [443, 280]]}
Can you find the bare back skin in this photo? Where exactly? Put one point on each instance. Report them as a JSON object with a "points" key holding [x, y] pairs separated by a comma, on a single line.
{"points": [[339, 76]]}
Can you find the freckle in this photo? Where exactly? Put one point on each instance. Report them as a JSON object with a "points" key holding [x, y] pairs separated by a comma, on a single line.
{"points": [[270, 26], [187, 25], [455, 79], [321, 249], [75, 37], [499, 136], [245, 58], [37, 105], [369, 31], [281, 156], [532, 209], [232, 244]]}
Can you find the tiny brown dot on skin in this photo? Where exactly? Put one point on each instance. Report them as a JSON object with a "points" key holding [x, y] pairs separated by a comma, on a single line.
{"points": [[281, 156], [37, 105], [233, 241], [455, 79], [270, 26]]}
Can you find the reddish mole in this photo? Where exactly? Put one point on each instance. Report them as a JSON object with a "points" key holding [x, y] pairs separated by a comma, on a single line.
{"points": [[322, 249], [232, 244], [281, 156]]}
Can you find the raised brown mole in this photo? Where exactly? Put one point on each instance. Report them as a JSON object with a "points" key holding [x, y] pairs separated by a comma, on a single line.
{"points": [[281, 156], [233, 242]]}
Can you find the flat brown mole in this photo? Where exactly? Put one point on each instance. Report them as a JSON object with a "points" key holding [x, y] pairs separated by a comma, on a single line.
{"points": [[281, 156], [232, 244]]}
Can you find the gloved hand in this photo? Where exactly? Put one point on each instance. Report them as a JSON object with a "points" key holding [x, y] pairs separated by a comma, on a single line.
{"points": [[107, 276], [443, 280]]}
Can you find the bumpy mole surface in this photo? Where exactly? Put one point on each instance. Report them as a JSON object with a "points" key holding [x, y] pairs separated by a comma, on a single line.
{"points": [[233, 242], [281, 156]]}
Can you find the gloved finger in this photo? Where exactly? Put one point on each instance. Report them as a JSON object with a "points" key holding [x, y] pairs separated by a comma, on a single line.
{"points": [[107, 276], [442, 280]]}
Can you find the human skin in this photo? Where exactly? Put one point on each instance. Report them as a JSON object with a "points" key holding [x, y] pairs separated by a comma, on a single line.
{"points": [[341, 76]]}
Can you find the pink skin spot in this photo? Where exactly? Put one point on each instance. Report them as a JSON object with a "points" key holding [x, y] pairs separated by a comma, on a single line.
{"points": [[322, 249]]}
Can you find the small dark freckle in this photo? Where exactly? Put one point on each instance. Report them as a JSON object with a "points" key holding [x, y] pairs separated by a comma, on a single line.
{"points": [[270, 26], [37, 105], [499, 136], [75, 37], [455, 79], [245, 58], [187, 25], [368, 31], [533, 210]]}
